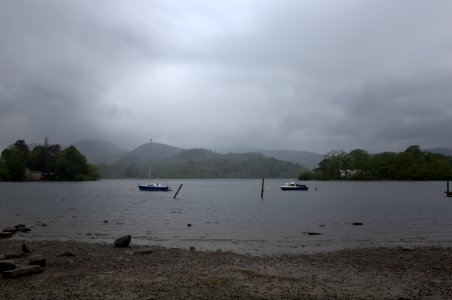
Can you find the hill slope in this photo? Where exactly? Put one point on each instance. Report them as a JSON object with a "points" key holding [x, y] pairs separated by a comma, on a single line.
{"points": [[202, 163], [154, 151], [305, 158]]}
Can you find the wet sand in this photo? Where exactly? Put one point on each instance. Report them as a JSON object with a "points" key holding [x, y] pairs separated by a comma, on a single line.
{"points": [[101, 271]]}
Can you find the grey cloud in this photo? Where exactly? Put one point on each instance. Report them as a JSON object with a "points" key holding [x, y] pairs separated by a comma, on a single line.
{"points": [[305, 75]]}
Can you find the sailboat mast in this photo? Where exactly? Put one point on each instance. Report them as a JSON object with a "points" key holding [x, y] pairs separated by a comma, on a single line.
{"points": [[149, 163]]}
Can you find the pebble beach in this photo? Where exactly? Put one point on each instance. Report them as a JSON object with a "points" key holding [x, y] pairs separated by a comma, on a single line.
{"points": [[77, 270]]}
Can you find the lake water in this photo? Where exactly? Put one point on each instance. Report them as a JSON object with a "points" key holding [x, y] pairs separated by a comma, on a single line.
{"points": [[230, 215]]}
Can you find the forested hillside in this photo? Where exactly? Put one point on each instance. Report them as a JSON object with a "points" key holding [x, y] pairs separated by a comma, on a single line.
{"points": [[202, 163]]}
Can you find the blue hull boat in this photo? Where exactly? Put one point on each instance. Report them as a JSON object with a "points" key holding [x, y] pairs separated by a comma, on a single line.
{"points": [[154, 187]]}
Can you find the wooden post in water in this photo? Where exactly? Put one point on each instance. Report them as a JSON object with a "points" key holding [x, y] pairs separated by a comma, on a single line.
{"points": [[175, 195], [448, 193], [262, 188]]}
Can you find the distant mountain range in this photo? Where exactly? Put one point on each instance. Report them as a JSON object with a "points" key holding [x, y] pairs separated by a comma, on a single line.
{"points": [[101, 152]]}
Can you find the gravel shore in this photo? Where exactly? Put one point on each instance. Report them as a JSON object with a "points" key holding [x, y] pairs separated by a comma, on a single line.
{"points": [[101, 271]]}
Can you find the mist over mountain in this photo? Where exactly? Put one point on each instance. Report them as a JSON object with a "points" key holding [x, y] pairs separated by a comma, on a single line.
{"points": [[203, 163], [153, 151], [105, 152], [307, 159], [97, 151], [443, 151]]}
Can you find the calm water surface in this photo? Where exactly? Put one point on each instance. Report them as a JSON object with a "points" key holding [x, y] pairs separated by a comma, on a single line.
{"points": [[230, 215]]}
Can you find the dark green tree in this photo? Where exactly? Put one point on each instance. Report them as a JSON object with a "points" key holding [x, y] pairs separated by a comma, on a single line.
{"points": [[4, 174], [72, 165], [13, 163], [23, 150], [330, 167], [306, 175]]}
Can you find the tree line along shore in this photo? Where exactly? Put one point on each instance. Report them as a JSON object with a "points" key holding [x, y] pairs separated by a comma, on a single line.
{"points": [[51, 162], [358, 164], [44, 162]]}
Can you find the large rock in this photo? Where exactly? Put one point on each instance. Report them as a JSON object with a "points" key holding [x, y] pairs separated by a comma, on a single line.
{"points": [[6, 265], [123, 241]]}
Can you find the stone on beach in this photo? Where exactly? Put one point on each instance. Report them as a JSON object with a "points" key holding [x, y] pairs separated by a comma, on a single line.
{"points": [[10, 229], [24, 229], [357, 224], [37, 260], [6, 265], [66, 253], [24, 271], [13, 229], [313, 233], [123, 241], [5, 235]]}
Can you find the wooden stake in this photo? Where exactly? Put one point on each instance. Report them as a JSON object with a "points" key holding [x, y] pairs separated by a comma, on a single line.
{"points": [[448, 193], [175, 195], [262, 188]]}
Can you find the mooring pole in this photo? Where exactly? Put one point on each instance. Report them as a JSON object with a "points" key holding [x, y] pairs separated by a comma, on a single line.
{"points": [[262, 188], [175, 195], [448, 192]]}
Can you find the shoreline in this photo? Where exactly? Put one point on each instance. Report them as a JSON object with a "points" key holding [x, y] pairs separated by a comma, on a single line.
{"points": [[100, 270]]}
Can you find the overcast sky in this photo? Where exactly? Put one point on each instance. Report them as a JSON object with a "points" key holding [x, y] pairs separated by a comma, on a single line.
{"points": [[303, 75]]}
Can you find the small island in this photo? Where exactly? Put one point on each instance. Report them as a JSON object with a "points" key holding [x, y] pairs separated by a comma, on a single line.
{"points": [[44, 162]]}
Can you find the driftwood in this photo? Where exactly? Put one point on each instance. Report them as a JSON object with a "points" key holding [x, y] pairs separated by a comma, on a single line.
{"points": [[143, 252], [24, 271]]}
